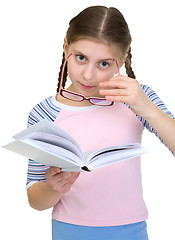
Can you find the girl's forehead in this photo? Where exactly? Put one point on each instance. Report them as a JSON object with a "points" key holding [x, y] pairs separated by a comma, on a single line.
{"points": [[94, 48]]}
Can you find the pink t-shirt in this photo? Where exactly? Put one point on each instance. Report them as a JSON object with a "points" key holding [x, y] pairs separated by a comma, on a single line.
{"points": [[111, 195]]}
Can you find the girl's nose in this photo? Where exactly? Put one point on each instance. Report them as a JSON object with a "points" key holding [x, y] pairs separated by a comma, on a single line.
{"points": [[88, 72]]}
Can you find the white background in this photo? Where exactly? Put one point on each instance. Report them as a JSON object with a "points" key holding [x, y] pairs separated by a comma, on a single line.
{"points": [[32, 34]]}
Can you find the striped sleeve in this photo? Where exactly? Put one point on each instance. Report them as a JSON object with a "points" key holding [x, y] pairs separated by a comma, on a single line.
{"points": [[44, 110], [157, 101]]}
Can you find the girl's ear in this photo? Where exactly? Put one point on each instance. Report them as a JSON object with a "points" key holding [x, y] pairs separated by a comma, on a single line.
{"points": [[65, 46]]}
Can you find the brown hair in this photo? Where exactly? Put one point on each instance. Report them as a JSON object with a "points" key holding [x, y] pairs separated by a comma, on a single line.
{"points": [[103, 24]]}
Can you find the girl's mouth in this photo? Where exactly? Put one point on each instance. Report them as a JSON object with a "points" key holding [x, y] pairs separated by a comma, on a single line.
{"points": [[86, 87]]}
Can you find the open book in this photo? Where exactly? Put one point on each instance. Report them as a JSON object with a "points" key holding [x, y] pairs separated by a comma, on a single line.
{"points": [[48, 144]]}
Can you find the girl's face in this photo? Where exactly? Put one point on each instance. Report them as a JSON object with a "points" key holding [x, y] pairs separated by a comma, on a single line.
{"points": [[92, 62]]}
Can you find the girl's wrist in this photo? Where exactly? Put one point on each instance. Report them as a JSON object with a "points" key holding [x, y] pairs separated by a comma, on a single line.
{"points": [[149, 111]]}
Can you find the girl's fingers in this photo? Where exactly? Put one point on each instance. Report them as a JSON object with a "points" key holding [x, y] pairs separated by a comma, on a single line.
{"points": [[64, 183], [67, 185], [57, 179], [71, 179], [113, 84], [114, 92], [122, 99], [120, 82], [117, 81], [117, 84], [52, 171]]}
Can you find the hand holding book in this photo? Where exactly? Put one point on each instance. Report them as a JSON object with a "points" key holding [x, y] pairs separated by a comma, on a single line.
{"points": [[60, 181]]}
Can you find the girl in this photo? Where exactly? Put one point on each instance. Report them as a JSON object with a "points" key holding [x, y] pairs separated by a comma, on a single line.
{"points": [[100, 108]]}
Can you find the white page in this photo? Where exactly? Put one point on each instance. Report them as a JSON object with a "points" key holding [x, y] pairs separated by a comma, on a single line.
{"points": [[89, 156], [114, 157], [55, 141], [54, 150], [45, 126], [39, 155]]}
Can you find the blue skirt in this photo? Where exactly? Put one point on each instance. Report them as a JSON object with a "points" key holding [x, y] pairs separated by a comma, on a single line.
{"points": [[66, 231]]}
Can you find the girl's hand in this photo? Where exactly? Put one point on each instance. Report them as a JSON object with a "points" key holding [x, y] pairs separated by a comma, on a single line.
{"points": [[127, 90], [60, 181]]}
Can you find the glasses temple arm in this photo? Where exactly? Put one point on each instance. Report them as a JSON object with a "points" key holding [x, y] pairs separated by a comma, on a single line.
{"points": [[118, 67]]}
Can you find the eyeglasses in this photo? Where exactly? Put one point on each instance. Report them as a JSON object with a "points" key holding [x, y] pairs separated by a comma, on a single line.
{"points": [[79, 97]]}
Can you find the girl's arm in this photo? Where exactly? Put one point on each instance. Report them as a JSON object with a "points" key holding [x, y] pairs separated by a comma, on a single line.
{"points": [[128, 90], [163, 124], [44, 195]]}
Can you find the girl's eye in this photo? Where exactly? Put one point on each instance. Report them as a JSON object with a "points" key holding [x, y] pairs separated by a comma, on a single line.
{"points": [[80, 58], [104, 64]]}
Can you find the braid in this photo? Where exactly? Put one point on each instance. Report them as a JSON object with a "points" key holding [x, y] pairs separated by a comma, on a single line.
{"points": [[65, 74], [128, 67]]}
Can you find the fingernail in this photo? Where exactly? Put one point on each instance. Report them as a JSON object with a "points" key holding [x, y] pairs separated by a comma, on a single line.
{"points": [[101, 91], [107, 98]]}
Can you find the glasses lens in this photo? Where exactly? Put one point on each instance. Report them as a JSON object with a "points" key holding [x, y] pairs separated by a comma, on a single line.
{"points": [[100, 102], [72, 96]]}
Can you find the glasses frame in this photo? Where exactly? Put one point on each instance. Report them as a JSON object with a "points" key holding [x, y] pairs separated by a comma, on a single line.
{"points": [[61, 89]]}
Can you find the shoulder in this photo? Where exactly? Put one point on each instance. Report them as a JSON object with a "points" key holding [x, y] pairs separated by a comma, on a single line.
{"points": [[46, 109]]}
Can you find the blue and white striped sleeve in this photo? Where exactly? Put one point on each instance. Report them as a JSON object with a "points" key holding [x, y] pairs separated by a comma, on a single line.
{"points": [[44, 110], [158, 102], [36, 171]]}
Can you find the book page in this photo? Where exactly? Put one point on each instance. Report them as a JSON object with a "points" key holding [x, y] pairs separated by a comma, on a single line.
{"points": [[27, 149], [44, 126], [114, 157], [54, 140], [54, 150], [90, 156]]}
